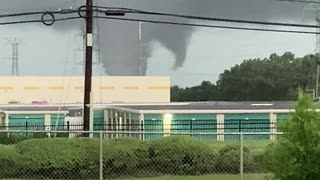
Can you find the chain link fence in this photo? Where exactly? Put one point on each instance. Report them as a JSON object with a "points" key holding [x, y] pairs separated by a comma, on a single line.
{"points": [[123, 155]]}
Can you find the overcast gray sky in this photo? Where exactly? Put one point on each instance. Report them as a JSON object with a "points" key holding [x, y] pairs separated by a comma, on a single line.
{"points": [[53, 50]]}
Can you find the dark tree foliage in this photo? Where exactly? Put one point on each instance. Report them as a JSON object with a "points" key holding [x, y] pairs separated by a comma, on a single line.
{"points": [[276, 78], [296, 154], [204, 92]]}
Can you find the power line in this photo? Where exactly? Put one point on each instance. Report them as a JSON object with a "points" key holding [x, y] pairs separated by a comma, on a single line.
{"points": [[61, 11], [22, 14], [37, 21], [115, 11], [205, 25], [299, 1], [240, 21], [168, 23], [44, 16]]}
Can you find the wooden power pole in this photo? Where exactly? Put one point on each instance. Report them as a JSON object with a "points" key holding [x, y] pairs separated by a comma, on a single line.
{"points": [[88, 66]]}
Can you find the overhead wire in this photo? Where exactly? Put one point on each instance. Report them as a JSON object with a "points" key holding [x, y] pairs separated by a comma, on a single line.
{"points": [[66, 11], [61, 11], [22, 14], [36, 21], [103, 9], [206, 25], [43, 14], [241, 21], [99, 9], [299, 1]]}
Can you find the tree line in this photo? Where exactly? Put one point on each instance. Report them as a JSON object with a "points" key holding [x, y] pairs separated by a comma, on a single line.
{"points": [[277, 78]]}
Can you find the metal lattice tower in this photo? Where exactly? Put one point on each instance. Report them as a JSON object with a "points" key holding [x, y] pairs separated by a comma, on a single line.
{"points": [[15, 57]]}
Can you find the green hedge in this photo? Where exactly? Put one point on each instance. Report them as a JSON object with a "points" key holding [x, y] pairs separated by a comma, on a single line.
{"points": [[8, 162], [8, 139], [78, 158], [229, 160], [181, 155], [125, 157], [58, 158], [13, 138]]}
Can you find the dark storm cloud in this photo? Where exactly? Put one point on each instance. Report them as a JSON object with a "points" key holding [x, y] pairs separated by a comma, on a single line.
{"points": [[119, 40]]}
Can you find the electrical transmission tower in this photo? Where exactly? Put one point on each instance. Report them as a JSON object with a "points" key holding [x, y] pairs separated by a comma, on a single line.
{"points": [[15, 56]]}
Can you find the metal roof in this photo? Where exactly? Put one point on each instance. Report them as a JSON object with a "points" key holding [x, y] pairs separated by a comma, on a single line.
{"points": [[33, 108], [183, 106], [216, 105]]}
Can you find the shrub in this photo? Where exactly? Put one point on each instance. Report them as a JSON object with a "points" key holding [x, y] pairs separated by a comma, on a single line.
{"points": [[78, 158], [11, 139], [8, 162], [296, 154], [125, 157], [279, 161], [258, 164], [62, 135], [59, 158], [229, 160], [40, 135], [181, 155]]}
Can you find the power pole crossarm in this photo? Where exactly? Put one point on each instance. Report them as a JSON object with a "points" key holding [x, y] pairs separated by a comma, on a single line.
{"points": [[88, 65]]}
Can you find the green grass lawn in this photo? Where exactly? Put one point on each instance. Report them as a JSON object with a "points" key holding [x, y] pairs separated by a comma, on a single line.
{"points": [[210, 177]]}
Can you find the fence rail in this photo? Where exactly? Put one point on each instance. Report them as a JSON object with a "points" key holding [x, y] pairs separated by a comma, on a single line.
{"points": [[233, 126], [132, 132], [149, 131]]}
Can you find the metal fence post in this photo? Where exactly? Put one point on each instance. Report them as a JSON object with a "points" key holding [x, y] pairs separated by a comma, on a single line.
{"points": [[26, 129], [191, 127], [241, 156], [240, 125], [101, 156]]}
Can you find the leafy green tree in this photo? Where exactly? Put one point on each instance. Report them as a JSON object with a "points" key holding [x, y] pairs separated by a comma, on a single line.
{"points": [[296, 154], [276, 78], [204, 92]]}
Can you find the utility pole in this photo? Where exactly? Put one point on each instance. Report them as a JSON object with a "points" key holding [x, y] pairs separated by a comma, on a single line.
{"points": [[15, 57], [88, 66]]}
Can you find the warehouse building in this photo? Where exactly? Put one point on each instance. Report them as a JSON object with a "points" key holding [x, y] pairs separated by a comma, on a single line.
{"points": [[139, 105], [208, 117], [106, 89], [149, 121]]}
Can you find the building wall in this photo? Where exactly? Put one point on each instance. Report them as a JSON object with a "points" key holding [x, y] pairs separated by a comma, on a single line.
{"points": [[155, 126], [106, 89]]}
